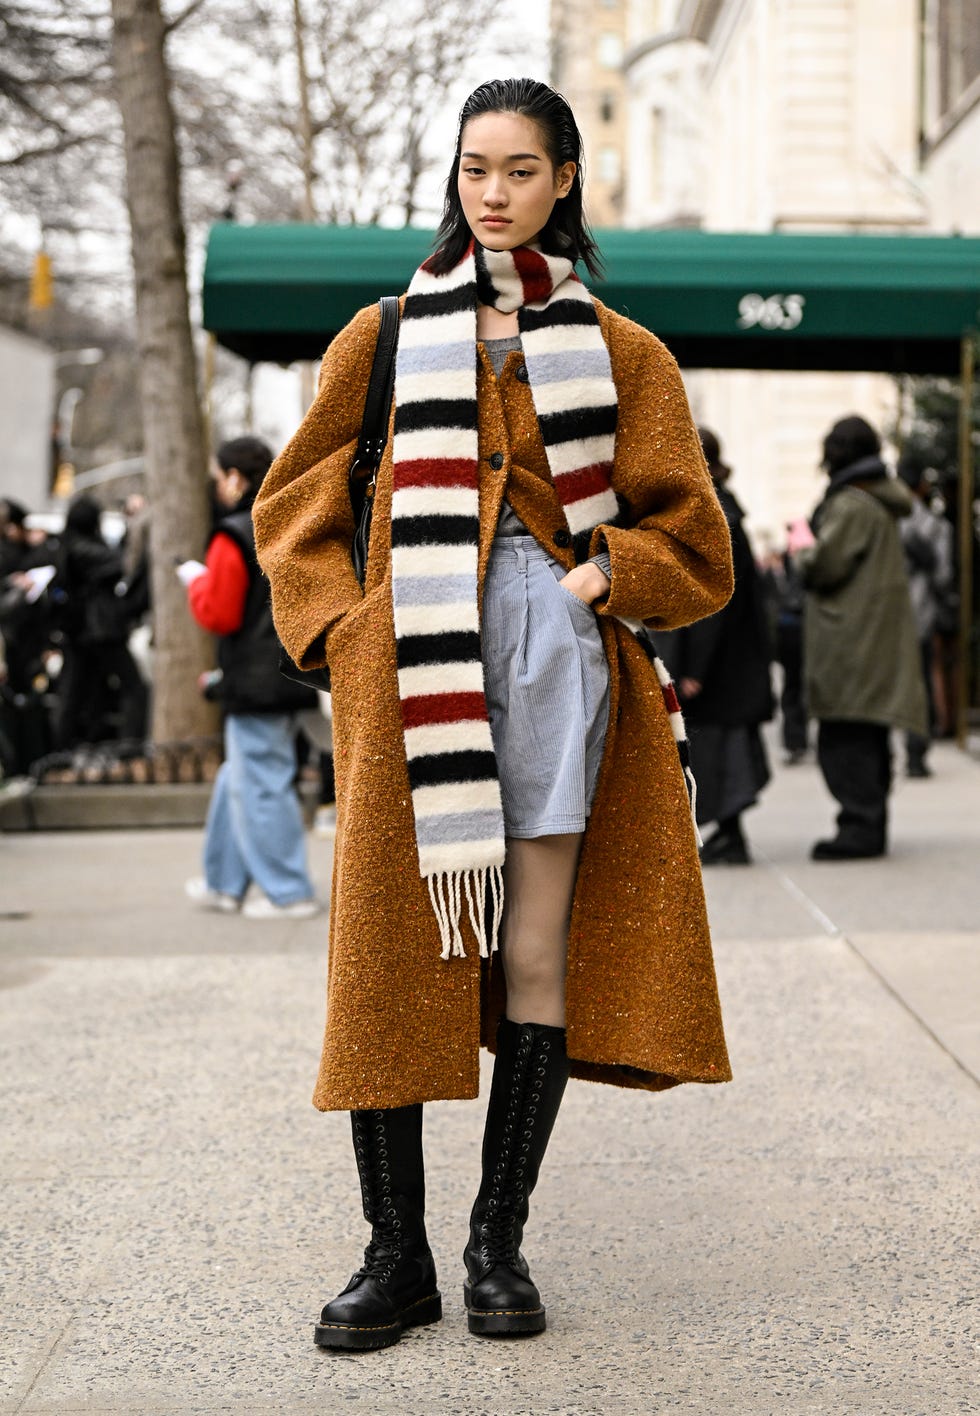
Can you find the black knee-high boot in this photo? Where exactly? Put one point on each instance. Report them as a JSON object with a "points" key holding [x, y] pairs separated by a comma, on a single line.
{"points": [[529, 1077], [395, 1287]]}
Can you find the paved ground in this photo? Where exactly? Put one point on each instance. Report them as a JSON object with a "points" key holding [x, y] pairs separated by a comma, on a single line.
{"points": [[803, 1241]]}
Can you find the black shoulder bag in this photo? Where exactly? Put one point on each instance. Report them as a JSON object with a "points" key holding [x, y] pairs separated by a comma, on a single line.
{"points": [[362, 477]]}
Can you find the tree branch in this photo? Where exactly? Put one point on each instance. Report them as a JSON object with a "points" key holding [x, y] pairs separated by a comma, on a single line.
{"points": [[181, 16], [20, 159]]}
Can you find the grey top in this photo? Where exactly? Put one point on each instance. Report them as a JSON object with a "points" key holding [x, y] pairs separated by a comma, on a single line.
{"points": [[509, 523], [497, 351]]}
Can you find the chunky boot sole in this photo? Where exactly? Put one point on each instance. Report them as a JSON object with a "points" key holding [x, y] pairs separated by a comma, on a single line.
{"points": [[351, 1337], [502, 1322]]}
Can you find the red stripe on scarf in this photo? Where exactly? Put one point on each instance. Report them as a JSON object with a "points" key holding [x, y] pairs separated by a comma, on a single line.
{"points": [[436, 472], [427, 709], [671, 699], [534, 273], [584, 482]]}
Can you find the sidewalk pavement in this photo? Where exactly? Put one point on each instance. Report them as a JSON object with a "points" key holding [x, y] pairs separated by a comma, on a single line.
{"points": [[802, 1241]]}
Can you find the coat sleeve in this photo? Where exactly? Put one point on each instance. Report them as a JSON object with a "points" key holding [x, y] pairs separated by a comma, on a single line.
{"points": [[841, 545], [701, 644], [302, 515], [217, 598], [673, 564]]}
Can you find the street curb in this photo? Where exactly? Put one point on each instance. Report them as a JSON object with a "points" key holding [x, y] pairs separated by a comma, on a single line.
{"points": [[96, 806], [106, 807]]}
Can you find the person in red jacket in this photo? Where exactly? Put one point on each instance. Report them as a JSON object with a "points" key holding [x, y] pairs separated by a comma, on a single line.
{"points": [[254, 831]]}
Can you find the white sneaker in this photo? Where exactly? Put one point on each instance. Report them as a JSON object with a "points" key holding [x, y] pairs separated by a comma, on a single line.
{"points": [[205, 898], [263, 908]]}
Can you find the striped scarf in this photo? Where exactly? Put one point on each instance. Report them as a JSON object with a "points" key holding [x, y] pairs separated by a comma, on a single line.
{"points": [[435, 524]]}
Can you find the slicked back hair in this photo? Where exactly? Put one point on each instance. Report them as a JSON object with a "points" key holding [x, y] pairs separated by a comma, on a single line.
{"points": [[567, 231]]}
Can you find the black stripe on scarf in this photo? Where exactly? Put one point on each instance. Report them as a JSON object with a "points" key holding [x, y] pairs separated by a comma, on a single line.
{"points": [[441, 302], [436, 768], [573, 423], [433, 530], [415, 417], [455, 646], [562, 312]]}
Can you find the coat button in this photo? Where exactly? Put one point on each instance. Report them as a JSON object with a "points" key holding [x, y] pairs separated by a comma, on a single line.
{"points": [[496, 460], [521, 372], [562, 537]]}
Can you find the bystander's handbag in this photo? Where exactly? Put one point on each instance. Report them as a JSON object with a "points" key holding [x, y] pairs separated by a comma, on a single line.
{"points": [[363, 473]]}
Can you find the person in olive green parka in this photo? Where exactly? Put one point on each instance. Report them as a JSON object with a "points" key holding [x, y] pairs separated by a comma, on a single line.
{"points": [[859, 640]]}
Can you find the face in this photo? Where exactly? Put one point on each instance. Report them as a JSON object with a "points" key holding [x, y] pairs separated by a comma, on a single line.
{"points": [[229, 487], [507, 184]]}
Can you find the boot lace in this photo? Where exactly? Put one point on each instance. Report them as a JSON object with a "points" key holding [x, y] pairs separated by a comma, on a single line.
{"points": [[384, 1252], [500, 1224]]}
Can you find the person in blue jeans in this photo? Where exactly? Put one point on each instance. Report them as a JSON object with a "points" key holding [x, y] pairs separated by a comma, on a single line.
{"points": [[254, 831]]}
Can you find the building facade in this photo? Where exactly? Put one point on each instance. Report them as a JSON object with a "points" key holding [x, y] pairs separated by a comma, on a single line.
{"points": [[790, 115], [27, 398], [588, 45]]}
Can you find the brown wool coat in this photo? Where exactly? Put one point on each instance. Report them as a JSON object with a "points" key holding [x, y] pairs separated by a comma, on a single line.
{"points": [[642, 1005]]}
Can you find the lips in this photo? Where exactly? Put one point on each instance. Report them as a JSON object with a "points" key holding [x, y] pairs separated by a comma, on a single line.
{"points": [[495, 221]]}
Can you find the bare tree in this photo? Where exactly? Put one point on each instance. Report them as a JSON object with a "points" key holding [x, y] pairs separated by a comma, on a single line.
{"points": [[53, 57], [344, 97], [377, 73], [384, 74], [172, 425]]}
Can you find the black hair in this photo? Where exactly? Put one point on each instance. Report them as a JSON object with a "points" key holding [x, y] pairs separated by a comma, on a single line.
{"points": [[711, 447], [84, 517], [848, 441], [250, 456], [566, 232], [15, 513], [912, 468]]}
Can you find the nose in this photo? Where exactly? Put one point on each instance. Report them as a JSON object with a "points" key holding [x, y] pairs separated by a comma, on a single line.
{"points": [[495, 194]]}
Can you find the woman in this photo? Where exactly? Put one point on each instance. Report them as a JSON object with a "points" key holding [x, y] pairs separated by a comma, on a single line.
{"points": [[254, 831], [500, 735]]}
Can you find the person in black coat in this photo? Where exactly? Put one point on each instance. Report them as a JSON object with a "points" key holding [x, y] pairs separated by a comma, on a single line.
{"points": [[25, 632], [101, 691], [721, 668]]}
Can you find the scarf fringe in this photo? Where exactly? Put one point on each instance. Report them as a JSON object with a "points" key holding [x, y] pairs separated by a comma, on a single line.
{"points": [[692, 792], [446, 891]]}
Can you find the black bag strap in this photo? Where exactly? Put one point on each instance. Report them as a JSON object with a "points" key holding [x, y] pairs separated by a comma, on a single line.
{"points": [[367, 460], [381, 386]]}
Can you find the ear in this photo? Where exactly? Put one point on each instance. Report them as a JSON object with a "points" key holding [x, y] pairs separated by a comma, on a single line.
{"points": [[564, 177]]}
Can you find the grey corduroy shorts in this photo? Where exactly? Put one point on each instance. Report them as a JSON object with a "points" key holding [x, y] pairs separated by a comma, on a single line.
{"points": [[547, 689]]}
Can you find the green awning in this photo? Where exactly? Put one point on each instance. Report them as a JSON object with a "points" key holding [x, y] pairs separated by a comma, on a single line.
{"points": [[718, 300]]}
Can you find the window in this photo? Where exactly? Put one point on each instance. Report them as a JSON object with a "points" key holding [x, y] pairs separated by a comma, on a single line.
{"points": [[656, 155], [609, 165], [610, 50], [958, 43]]}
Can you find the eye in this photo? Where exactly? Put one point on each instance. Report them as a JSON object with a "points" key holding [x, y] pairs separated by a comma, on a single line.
{"points": [[522, 172], [473, 171]]}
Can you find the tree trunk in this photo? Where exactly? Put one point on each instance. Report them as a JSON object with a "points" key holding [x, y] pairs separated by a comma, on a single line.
{"points": [[176, 458]]}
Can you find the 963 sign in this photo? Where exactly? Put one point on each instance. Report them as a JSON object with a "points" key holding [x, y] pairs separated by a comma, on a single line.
{"points": [[770, 311]]}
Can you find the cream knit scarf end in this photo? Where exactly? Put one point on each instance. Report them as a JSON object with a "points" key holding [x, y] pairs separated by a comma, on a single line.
{"points": [[459, 825]]}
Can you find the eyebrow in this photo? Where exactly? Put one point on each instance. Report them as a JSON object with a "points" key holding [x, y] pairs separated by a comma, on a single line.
{"points": [[514, 157]]}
